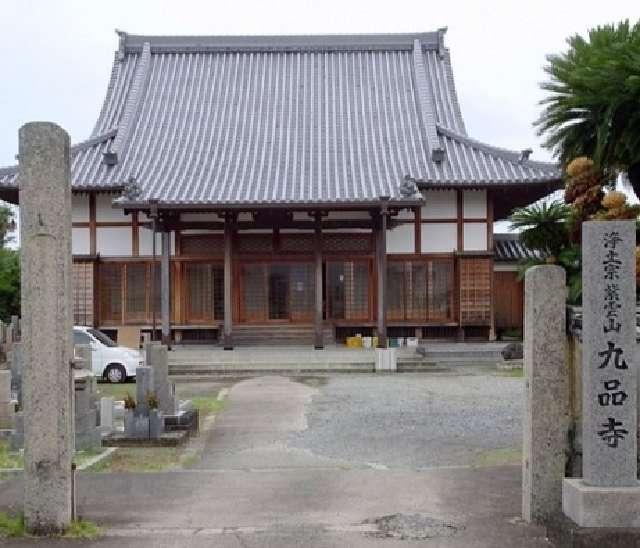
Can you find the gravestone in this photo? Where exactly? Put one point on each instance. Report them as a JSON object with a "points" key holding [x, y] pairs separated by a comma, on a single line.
{"points": [[87, 433], [144, 387], [106, 415], [16, 371], [608, 494], [46, 325], [157, 358], [7, 404]]}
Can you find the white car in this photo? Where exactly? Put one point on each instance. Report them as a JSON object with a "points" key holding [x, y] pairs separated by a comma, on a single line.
{"points": [[109, 361]]}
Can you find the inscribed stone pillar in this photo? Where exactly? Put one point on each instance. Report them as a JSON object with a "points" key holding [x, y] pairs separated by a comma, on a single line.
{"points": [[165, 287], [546, 393], [144, 386], [609, 388], [47, 348]]}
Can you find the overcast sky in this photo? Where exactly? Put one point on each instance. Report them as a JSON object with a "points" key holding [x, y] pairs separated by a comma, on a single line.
{"points": [[56, 55]]}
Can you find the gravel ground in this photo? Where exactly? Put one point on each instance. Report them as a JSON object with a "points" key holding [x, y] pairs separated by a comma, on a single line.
{"points": [[468, 417]]}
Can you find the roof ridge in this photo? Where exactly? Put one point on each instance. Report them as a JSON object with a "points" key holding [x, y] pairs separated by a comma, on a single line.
{"points": [[130, 114], [504, 153], [433, 40], [426, 106]]}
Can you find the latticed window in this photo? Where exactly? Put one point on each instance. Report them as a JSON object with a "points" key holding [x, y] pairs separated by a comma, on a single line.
{"points": [[255, 243], [83, 294], [352, 243], [204, 292], [420, 290], [136, 291], [475, 291], [348, 290], [202, 244], [296, 243], [111, 292]]}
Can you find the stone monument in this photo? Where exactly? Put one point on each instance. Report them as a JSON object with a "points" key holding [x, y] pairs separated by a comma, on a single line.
{"points": [[608, 494], [7, 405], [156, 357], [546, 393], [47, 347]]}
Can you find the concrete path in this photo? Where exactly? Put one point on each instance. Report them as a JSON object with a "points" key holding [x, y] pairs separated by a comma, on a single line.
{"points": [[253, 490]]}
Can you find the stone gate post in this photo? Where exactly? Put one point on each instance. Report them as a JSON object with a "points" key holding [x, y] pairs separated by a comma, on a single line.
{"points": [[546, 393], [47, 348]]}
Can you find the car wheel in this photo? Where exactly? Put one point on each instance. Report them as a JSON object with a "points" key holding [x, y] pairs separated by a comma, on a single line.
{"points": [[115, 374]]}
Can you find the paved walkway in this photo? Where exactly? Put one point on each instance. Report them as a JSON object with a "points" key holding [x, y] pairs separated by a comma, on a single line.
{"points": [[253, 490]]}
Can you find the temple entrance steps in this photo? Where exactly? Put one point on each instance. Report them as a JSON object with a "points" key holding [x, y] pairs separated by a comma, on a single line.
{"points": [[278, 335]]}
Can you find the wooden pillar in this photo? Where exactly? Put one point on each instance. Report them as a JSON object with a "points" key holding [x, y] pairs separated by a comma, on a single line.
{"points": [[228, 281], [165, 287], [381, 267], [317, 250]]}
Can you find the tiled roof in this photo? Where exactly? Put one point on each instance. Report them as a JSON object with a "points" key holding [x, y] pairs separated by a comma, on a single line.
{"points": [[509, 248], [294, 119]]}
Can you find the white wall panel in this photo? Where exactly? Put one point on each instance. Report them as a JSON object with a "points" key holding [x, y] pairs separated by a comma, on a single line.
{"points": [[475, 236], [105, 210], [114, 240], [439, 204], [439, 237], [145, 239], [475, 204], [80, 208], [80, 244], [402, 239]]}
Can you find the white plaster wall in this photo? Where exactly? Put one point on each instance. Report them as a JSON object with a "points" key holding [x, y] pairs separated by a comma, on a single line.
{"points": [[439, 204], [80, 241], [475, 204], [145, 242], [114, 240], [80, 208], [407, 214], [439, 237], [105, 210], [475, 236], [401, 239]]}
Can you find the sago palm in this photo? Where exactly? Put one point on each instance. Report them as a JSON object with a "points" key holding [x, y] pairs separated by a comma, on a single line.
{"points": [[543, 227], [593, 106]]}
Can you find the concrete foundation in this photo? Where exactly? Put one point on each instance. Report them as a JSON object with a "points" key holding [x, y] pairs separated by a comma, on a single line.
{"points": [[590, 506]]}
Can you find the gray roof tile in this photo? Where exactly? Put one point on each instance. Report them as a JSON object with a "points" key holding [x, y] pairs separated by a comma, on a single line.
{"points": [[294, 119]]}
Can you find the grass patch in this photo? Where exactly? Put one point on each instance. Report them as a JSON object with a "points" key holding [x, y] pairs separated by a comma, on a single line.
{"points": [[207, 405], [496, 457], [116, 391], [516, 373], [9, 459], [82, 529], [11, 526], [139, 459]]}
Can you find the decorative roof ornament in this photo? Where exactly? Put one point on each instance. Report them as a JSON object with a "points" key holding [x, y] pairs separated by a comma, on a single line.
{"points": [[131, 190], [409, 188], [524, 155]]}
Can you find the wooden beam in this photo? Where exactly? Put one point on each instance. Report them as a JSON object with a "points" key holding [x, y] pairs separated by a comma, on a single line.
{"points": [[228, 281], [418, 231], [92, 224], [317, 249], [165, 285], [460, 219], [135, 235], [381, 266]]}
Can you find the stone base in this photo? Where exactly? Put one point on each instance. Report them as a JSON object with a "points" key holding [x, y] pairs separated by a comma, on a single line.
{"points": [[565, 533], [601, 506], [386, 359]]}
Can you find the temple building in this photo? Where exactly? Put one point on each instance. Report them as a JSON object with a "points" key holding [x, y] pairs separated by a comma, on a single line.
{"points": [[288, 188]]}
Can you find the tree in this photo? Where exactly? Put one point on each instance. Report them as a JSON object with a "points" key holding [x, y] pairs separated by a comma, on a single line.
{"points": [[9, 268], [593, 106], [543, 227]]}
